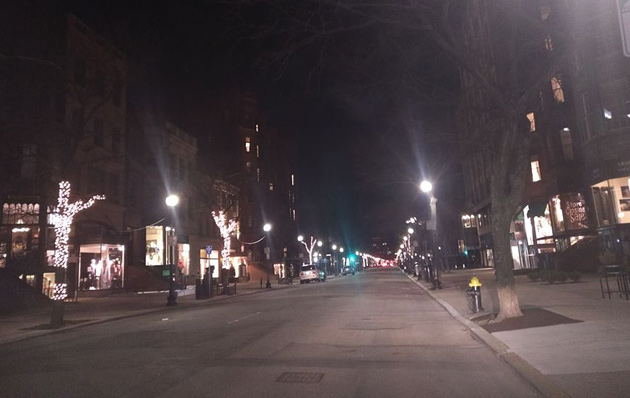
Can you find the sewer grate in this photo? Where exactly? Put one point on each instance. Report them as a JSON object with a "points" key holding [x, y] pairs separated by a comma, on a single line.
{"points": [[300, 377]]}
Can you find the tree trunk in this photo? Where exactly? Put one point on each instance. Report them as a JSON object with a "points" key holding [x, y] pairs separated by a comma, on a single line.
{"points": [[509, 178]]}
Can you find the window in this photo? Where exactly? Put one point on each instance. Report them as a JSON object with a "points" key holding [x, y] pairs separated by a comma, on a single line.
{"points": [[556, 86], [247, 144], [532, 122], [257, 128], [257, 151], [567, 143], [293, 179], [248, 166], [271, 186], [182, 169], [536, 176], [79, 72], [257, 175], [99, 134]]}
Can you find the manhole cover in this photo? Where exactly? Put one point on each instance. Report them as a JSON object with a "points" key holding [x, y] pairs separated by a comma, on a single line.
{"points": [[300, 377]]}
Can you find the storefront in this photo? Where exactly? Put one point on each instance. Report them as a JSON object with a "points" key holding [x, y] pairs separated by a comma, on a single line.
{"points": [[101, 266]]}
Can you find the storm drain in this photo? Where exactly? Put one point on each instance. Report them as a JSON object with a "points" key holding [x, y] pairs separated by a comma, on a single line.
{"points": [[300, 377]]}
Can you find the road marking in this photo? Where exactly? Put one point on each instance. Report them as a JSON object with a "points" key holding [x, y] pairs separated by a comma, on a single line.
{"points": [[245, 317]]}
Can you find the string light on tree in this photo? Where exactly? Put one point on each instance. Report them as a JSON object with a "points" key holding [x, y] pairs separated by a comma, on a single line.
{"points": [[226, 228], [309, 248], [62, 217]]}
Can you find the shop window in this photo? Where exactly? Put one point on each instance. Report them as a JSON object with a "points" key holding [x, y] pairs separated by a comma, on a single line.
{"points": [[603, 201], [535, 166], [556, 86], [154, 245], [567, 144], [532, 122]]}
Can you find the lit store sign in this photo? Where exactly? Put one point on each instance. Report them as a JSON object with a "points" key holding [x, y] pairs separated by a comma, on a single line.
{"points": [[574, 210]]}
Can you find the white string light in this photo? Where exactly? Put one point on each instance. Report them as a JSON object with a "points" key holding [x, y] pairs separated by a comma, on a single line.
{"points": [[62, 217], [226, 228]]}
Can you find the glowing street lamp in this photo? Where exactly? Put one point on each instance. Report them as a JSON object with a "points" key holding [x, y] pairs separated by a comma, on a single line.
{"points": [[267, 227], [171, 201], [426, 186], [410, 230]]}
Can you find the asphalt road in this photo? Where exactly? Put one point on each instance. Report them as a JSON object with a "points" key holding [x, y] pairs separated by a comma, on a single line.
{"points": [[375, 334]]}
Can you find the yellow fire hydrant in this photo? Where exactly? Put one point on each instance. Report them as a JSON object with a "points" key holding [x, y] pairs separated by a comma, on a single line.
{"points": [[474, 292]]}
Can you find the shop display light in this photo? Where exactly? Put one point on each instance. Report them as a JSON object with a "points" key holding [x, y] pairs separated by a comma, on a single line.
{"points": [[62, 217]]}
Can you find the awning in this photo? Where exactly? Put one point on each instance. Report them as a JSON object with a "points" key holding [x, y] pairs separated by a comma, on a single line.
{"points": [[537, 209]]}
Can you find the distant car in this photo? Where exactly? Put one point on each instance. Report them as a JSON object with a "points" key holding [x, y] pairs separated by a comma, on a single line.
{"points": [[347, 270], [309, 273]]}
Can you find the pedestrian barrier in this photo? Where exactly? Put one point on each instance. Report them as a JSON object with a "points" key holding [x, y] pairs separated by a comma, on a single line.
{"points": [[618, 277]]}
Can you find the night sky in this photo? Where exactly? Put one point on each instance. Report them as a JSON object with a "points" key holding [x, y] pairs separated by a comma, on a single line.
{"points": [[363, 143]]}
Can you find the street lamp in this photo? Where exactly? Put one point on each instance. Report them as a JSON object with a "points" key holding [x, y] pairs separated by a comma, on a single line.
{"points": [[171, 201], [267, 227], [426, 186], [410, 230]]}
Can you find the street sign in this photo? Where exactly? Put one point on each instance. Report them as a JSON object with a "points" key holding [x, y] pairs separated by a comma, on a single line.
{"points": [[623, 10]]}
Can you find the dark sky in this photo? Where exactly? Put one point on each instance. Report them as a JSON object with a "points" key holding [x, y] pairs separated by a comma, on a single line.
{"points": [[361, 149]]}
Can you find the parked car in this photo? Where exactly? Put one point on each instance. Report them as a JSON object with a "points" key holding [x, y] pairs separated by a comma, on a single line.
{"points": [[309, 273], [347, 270]]}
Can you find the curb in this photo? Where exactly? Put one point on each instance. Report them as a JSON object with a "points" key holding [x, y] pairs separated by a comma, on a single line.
{"points": [[524, 369], [133, 314]]}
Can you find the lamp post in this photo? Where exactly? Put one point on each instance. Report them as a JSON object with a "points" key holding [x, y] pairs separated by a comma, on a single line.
{"points": [[171, 201], [267, 228], [431, 225]]}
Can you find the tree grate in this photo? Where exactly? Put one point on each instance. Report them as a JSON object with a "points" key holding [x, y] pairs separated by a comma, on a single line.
{"points": [[300, 377]]}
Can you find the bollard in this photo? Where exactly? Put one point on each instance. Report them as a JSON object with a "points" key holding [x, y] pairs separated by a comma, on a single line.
{"points": [[474, 291]]}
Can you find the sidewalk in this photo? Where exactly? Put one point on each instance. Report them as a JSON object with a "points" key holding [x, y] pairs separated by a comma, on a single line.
{"points": [[91, 310], [585, 352]]}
